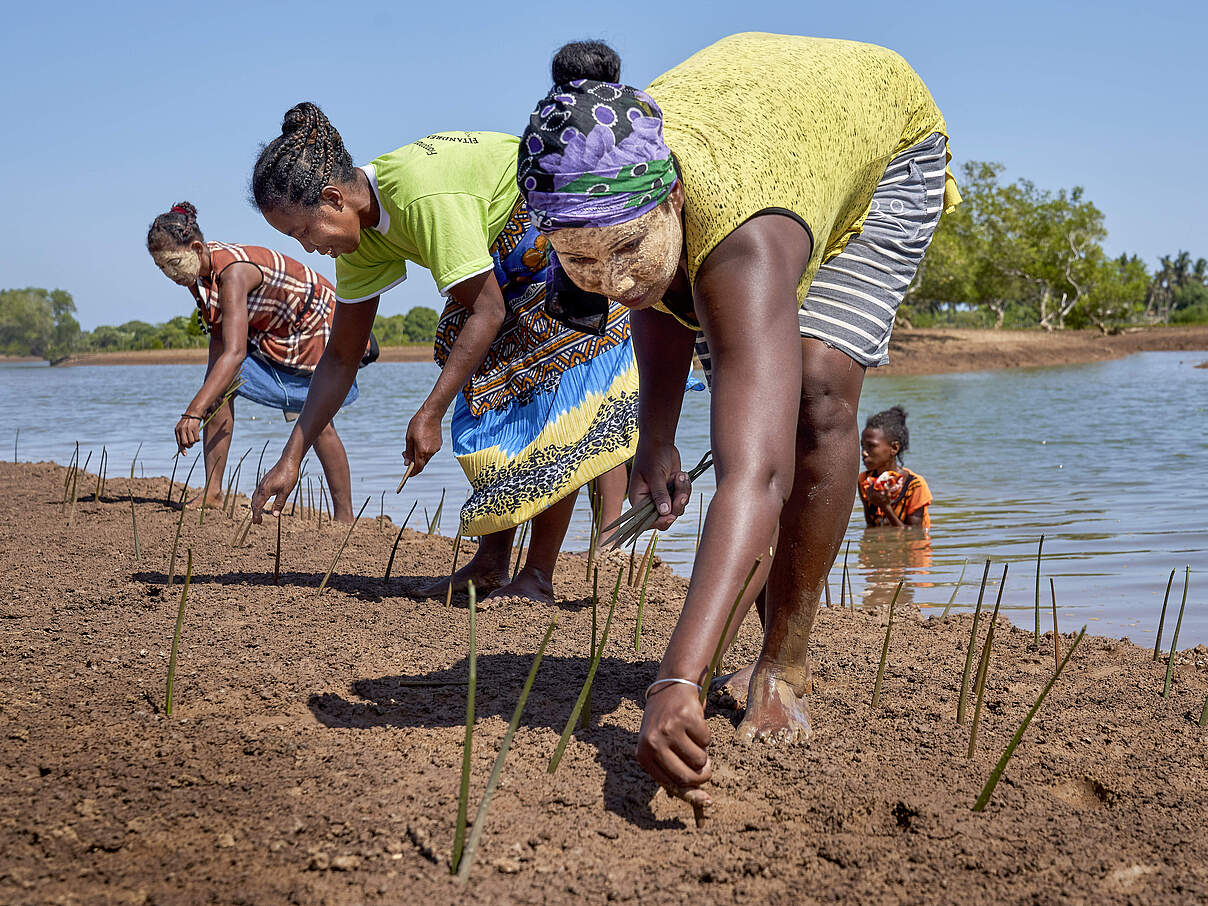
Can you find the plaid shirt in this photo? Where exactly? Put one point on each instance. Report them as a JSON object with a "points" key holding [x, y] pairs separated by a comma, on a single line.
{"points": [[289, 313]]}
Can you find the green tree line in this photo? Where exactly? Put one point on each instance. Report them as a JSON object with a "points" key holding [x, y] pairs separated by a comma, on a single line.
{"points": [[40, 322], [1017, 255]]}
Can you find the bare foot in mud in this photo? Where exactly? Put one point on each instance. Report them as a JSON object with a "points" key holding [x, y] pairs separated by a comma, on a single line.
{"points": [[776, 711], [529, 585], [485, 576], [734, 684], [213, 502]]}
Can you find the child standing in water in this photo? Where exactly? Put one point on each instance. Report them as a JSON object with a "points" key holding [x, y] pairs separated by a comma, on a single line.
{"points": [[778, 205], [891, 494], [268, 317]]}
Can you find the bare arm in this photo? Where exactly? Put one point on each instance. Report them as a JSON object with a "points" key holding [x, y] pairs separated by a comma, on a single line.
{"points": [[663, 349], [746, 299], [329, 386], [483, 299], [228, 348]]}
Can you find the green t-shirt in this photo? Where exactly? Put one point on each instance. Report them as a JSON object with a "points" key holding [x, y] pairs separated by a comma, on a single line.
{"points": [[444, 199]]}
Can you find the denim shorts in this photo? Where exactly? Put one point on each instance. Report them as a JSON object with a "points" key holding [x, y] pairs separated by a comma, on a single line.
{"points": [[275, 387]]}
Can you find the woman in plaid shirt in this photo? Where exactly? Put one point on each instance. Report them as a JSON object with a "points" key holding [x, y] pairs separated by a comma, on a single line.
{"points": [[269, 318]]}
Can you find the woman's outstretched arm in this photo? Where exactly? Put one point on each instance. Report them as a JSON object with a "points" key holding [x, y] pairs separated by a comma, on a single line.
{"points": [[745, 297], [329, 386]]}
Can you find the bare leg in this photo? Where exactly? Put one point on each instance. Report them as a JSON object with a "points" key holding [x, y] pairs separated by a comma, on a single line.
{"points": [[536, 581], [610, 493], [811, 530], [216, 442], [330, 450], [488, 569]]}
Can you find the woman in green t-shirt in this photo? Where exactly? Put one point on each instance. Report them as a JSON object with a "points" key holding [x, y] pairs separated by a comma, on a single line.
{"points": [[539, 409]]}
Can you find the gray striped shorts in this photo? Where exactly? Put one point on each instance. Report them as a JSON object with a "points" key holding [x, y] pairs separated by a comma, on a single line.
{"points": [[852, 301]]}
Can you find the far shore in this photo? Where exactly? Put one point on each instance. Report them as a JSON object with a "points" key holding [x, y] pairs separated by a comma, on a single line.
{"points": [[911, 351]]}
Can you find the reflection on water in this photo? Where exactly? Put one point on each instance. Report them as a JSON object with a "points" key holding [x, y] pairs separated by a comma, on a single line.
{"points": [[889, 555], [1104, 459]]}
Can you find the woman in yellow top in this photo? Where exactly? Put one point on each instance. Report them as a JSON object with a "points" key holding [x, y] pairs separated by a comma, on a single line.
{"points": [[779, 204]]}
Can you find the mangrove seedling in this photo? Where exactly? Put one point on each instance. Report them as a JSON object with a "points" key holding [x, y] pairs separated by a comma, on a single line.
{"points": [[647, 563], [175, 545], [519, 548], [960, 704], [340, 549], [241, 532], [585, 692], [463, 793], [633, 550], [594, 537], [715, 661], [100, 471], [393, 551], [453, 568], [876, 689], [961, 579], [16, 438], [184, 491], [1056, 634], [1174, 642], [480, 819], [996, 774], [277, 558], [1036, 630], [1157, 645], [180, 620], [435, 523], [585, 714], [1204, 713], [843, 580], [71, 467], [226, 398], [382, 513], [260, 462], [409, 512], [205, 493], [979, 687]]}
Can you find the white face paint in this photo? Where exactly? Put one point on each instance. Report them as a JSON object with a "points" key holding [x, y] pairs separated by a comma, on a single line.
{"points": [[182, 266], [632, 263]]}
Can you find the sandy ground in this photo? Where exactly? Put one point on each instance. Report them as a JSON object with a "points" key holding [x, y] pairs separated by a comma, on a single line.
{"points": [[300, 767], [911, 351]]}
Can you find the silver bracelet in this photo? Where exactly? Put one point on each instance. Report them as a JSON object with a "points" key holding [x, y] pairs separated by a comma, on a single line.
{"points": [[667, 681]]}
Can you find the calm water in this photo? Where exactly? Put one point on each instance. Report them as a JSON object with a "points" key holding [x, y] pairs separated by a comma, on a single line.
{"points": [[1107, 460]]}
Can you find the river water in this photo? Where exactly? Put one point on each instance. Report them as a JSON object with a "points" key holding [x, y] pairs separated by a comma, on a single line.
{"points": [[1107, 460]]}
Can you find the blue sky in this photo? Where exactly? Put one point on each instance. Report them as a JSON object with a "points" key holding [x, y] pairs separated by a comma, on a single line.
{"points": [[113, 112]]}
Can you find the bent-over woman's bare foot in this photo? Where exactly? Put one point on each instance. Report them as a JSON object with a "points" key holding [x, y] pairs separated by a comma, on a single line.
{"points": [[735, 684], [776, 710], [213, 502], [530, 584], [484, 572]]}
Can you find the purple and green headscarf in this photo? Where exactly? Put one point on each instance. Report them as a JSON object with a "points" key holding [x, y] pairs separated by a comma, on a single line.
{"points": [[593, 155]]}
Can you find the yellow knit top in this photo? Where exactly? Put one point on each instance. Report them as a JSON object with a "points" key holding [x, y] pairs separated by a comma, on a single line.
{"points": [[805, 125]]}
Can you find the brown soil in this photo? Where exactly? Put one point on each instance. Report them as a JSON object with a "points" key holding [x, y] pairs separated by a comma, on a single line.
{"points": [[911, 351], [299, 767], [941, 351]]}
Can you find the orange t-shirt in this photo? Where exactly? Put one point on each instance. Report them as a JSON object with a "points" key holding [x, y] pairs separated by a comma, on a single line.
{"points": [[912, 496]]}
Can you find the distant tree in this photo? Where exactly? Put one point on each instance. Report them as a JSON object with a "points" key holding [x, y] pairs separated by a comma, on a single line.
{"points": [[38, 322], [419, 324]]}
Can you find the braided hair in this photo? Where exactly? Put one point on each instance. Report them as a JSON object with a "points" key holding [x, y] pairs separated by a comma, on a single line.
{"points": [[294, 167], [585, 60], [174, 228], [892, 423]]}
